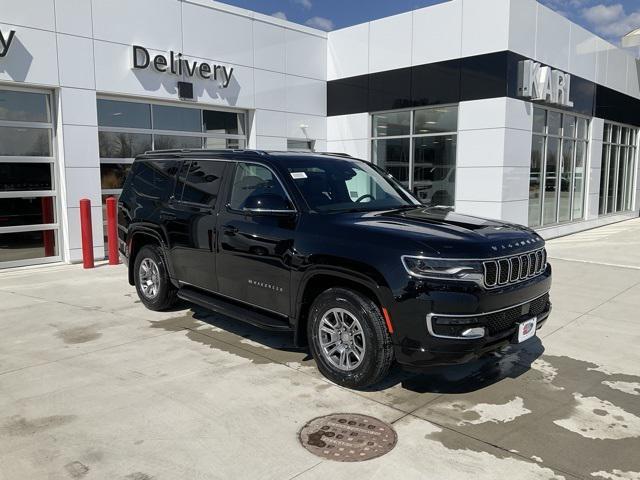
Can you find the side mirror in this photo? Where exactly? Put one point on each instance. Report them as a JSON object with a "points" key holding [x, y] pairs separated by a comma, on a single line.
{"points": [[268, 204]]}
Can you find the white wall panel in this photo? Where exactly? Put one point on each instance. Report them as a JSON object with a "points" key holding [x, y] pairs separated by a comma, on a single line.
{"points": [[78, 107], [633, 76], [479, 209], [271, 123], [617, 70], [80, 146], [522, 27], [583, 53], [348, 52], [74, 241], [217, 35], [602, 52], [344, 127], [481, 148], [32, 57], [486, 113], [355, 148], [239, 93], [479, 184], [83, 182], [270, 90], [149, 23], [437, 32], [515, 183], [34, 13], [306, 55], [517, 149], [485, 26], [305, 95], [271, 143], [114, 73], [315, 127], [74, 17], [75, 60], [519, 114], [516, 212], [269, 45], [390, 42], [553, 38]]}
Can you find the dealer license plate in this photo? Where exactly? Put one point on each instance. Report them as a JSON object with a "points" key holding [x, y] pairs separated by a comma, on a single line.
{"points": [[527, 329]]}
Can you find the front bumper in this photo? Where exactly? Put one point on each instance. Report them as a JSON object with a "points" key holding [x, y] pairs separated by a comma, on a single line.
{"points": [[423, 339]]}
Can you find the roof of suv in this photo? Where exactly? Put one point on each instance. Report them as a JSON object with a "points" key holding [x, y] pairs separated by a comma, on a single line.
{"points": [[242, 154]]}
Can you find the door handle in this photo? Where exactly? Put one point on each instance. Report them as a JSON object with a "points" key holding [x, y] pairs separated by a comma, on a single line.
{"points": [[230, 229]]}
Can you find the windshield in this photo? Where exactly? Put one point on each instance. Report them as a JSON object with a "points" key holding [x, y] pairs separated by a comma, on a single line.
{"points": [[342, 185]]}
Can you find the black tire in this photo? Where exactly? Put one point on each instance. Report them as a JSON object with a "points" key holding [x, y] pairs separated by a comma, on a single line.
{"points": [[165, 296], [378, 352]]}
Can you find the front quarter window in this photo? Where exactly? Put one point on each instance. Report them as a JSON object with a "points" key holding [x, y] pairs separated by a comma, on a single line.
{"points": [[255, 187]]}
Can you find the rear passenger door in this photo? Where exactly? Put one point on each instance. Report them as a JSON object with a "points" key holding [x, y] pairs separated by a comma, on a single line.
{"points": [[190, 222]]}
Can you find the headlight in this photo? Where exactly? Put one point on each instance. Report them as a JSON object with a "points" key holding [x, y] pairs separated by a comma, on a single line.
{"points": [[436, 268]]}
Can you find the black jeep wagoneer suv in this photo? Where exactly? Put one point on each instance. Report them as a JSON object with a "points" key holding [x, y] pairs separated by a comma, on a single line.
{"points": [[334, 250]]}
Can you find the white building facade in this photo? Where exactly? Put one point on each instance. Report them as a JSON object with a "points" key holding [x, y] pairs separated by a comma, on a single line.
{"points": [[499, 108]]}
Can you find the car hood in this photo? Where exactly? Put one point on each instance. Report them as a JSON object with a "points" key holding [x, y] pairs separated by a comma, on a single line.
{"points": [[437, 231]]}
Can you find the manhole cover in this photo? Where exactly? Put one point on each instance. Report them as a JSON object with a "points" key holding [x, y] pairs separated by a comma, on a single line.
{"points": [[348, 437]]}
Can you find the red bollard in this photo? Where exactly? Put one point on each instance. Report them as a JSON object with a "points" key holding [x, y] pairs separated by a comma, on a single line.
{"points": [[112, 231], [87, 233]]}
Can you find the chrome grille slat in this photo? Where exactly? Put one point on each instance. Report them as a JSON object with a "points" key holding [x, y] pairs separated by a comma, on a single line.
{"points": [[515, 268]]}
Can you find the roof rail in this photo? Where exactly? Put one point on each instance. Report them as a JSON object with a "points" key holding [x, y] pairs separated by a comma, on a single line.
{"points": [[335, 154], [204, 150]]}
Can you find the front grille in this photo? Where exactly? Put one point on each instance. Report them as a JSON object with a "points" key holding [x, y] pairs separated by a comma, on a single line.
{"points": [[499, 272], [506, 319]]}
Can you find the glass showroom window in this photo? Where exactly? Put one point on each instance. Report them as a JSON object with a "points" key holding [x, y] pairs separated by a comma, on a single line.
{"points": [[619, 153], [28, 185], [418, 147], [558, 167], [127, 129]]}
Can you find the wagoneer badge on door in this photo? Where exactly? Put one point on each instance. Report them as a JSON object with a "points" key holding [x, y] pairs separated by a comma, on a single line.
{"points": [[177, 65]]}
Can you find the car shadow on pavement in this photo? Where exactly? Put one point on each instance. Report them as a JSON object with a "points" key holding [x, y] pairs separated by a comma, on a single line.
{"points": [[510, 362], [282, 341]]}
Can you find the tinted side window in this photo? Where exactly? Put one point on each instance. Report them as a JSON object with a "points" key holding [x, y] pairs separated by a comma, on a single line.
{"points": [[201, 182], [154, 178], [251, 181]]}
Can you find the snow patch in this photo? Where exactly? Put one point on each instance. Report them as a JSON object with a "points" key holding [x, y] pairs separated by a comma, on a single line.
{"points": [[632, 388], [548, 371], [596, 418], [487, 412], [536, 458], [617, 475]]}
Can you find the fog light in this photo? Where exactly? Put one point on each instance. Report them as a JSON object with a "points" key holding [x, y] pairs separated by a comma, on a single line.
{"points": [[476, 332]]}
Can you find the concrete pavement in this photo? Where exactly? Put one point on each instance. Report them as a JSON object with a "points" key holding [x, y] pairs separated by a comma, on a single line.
{"points": [[94, 386]]}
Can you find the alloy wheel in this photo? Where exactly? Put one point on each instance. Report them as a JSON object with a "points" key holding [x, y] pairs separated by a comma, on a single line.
{"points": [[341, 339]]}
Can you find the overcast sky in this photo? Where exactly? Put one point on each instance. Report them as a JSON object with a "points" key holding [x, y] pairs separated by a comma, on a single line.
{"points": [[608, 18]]}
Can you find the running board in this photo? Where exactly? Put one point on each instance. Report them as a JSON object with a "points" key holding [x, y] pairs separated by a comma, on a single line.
{"points": [[225, 307]]}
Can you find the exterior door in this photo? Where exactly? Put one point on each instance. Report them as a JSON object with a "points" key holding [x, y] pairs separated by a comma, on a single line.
{"points": [[190, 222], [255, 245]]}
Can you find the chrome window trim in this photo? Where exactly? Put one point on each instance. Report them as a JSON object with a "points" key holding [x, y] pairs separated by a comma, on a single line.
{"points": [[430, 316]]}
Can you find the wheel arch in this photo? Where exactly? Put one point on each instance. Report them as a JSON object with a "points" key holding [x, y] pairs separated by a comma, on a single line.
{"points": [[139, 238], [323, 278]]}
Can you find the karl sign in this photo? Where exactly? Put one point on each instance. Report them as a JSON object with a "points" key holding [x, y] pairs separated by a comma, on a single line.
{"points": [[539, 82], [177, 65], [5, 42]]}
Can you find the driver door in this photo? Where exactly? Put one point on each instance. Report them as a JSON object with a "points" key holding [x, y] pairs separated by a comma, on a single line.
{"points": [[255, 246]]}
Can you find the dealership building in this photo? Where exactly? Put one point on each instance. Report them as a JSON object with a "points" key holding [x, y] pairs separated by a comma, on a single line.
{"points": [[499, 108]]}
